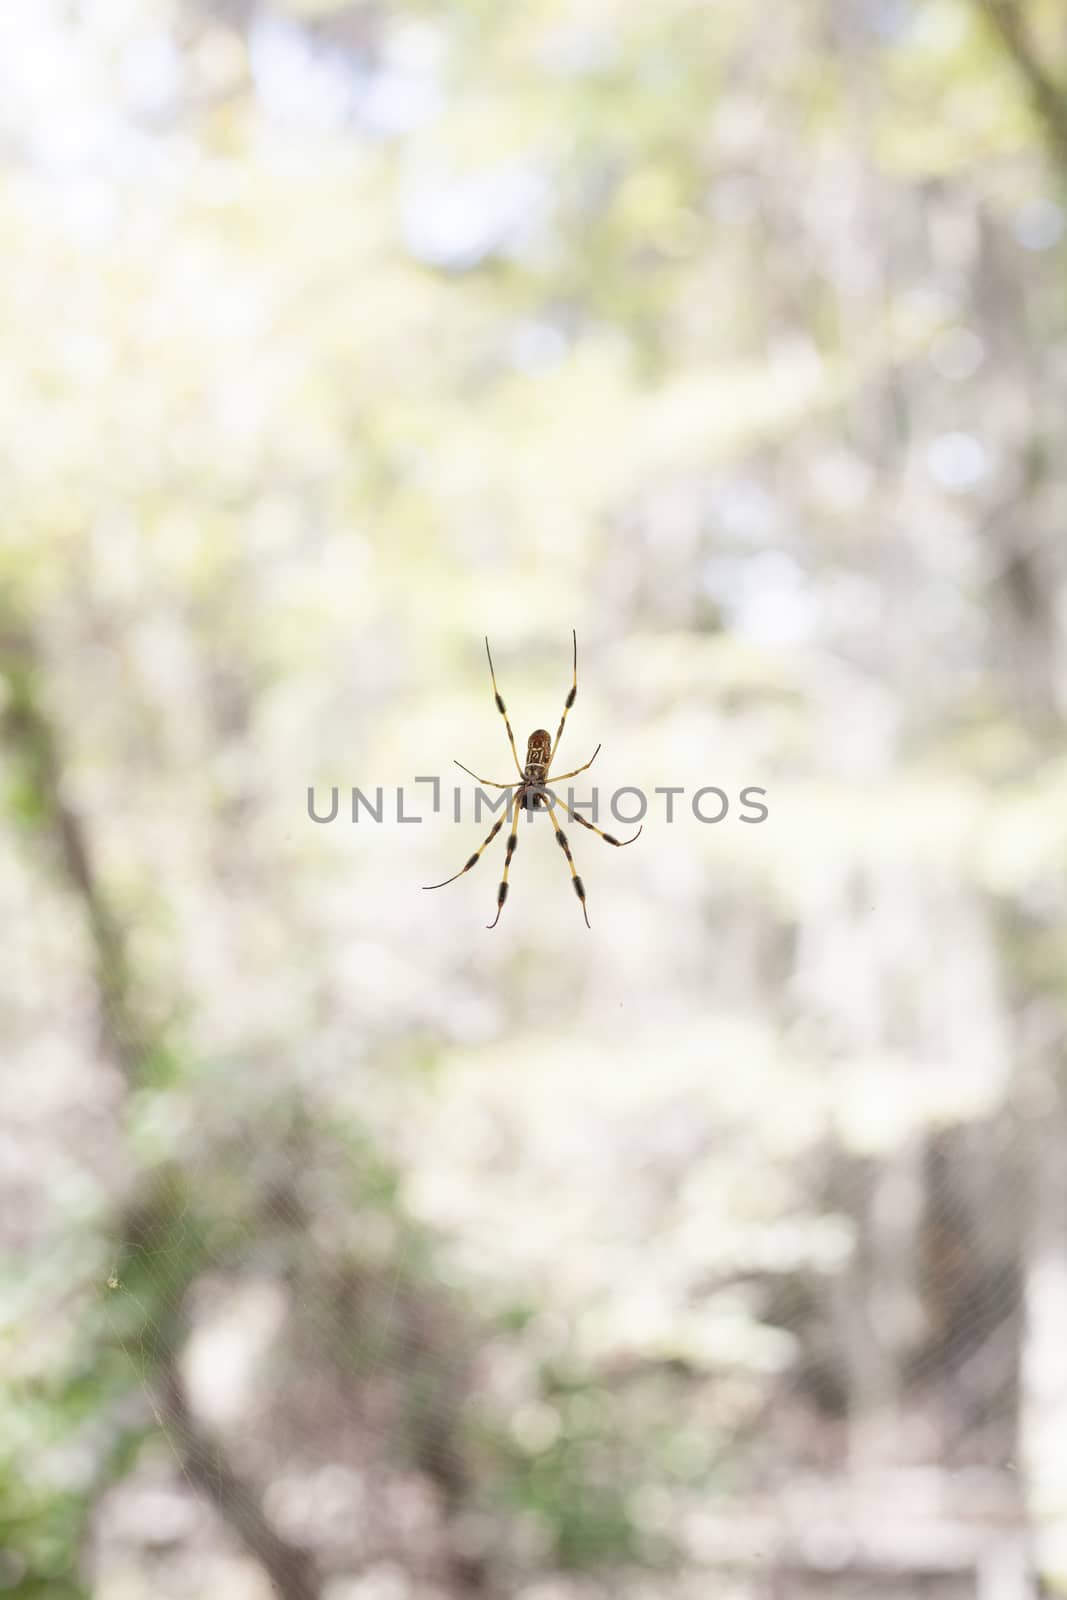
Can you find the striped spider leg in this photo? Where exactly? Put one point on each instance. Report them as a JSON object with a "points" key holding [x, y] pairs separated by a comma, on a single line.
{"points": [[489, 783], [561, 840], [476, 857], [503, 712], [558, 777], [571, 697], [513, 841]]}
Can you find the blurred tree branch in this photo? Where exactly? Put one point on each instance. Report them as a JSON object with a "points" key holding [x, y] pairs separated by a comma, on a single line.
{"points": [[1047, 96], [204, 1461], [32, 741], [158, 1212]]}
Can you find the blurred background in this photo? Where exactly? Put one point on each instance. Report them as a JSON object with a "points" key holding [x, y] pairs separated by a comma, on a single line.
{"points": [[349, 1251]]}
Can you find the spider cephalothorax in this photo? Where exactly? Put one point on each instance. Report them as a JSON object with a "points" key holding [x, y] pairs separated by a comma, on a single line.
{"points": [[532, 795]]}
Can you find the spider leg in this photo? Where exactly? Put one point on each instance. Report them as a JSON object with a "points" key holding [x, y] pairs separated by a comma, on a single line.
{"points": [[487, 781], [557, 777], [609, 838], [566, 705], [493, 831], [579, 886], [513, 840], [503, 712]]}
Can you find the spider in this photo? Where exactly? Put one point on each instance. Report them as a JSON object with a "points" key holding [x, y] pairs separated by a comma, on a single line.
{"points": [[532, 795]]}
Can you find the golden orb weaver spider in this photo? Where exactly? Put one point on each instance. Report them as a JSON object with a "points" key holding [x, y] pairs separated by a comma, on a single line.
{"points": [[532, 795]]}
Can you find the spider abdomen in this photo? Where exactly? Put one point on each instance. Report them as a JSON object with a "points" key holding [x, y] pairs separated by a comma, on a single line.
{"points": [[538, 750]]}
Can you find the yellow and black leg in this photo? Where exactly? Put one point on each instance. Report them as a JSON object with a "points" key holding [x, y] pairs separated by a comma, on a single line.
{"points": [[558, 777], [572, 696], [513, 840], [503, 712], [473, 862], [489, 784], [579, 886], [609, 838]]}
